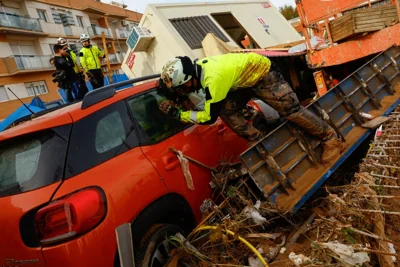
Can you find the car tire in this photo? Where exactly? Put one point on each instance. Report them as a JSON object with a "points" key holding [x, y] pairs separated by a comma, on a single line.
{"points": [[155, 247]]}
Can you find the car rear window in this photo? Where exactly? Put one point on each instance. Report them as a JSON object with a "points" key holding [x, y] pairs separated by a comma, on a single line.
{"points": [[32, 161]]}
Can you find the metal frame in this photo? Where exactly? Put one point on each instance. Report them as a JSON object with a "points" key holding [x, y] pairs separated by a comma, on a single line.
{"points": [[340, 107], [314, 17], [101, 94]]}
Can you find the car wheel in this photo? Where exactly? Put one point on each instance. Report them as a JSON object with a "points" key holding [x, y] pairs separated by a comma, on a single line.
{"points": [[155, 247]]}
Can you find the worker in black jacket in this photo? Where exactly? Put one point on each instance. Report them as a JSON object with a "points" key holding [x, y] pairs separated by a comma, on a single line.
{"points": [[63, 62]]}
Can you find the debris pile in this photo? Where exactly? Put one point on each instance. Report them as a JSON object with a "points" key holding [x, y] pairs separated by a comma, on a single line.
{"points": [[356, 224]]}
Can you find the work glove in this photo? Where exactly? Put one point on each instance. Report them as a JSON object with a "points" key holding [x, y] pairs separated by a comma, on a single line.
{"points": [[170, 109]]}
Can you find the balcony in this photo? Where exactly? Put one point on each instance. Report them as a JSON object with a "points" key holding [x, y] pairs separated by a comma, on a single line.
{"points": [[22, 25], [95, 32], [16, 64], [122, 33]]}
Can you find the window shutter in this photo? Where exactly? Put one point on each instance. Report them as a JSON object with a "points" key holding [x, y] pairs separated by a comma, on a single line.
{"points": [[194, 29], [56, 17], [70, 19]]}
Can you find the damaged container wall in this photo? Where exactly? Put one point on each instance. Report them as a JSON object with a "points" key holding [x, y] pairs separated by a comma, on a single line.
{"points": [[370, 89], [180, 28]]}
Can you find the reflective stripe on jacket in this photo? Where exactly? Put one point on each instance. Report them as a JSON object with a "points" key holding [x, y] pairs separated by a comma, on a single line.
{"points": [[222, 74], [90, 58]]}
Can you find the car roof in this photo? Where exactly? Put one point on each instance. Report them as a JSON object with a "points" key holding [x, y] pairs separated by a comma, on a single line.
{"points": [[71, 113]]}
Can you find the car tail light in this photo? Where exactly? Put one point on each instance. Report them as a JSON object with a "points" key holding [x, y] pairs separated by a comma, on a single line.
{"points": [[70, 216]]}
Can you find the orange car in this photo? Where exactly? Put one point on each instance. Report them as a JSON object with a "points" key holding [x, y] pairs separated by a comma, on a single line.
{"points": [[69, 177]]}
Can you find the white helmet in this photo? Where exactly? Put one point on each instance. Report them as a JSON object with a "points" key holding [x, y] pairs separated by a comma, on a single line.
{"points": [[173, 74], [62, 41], [84, 37]]}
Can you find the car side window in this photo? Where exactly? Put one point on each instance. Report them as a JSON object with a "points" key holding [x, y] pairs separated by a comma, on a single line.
{"points": [[99, 137], [110, 132], [154, 125]]}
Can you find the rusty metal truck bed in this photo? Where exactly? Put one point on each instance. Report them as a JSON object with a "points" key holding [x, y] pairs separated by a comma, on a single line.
{"points": [[286, 165]]}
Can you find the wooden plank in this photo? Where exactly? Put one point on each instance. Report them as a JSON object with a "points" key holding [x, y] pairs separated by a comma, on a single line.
{"points": [[341, 35], [369, 30], [335, 24], [359, 21], [371, 13], [287, 45], [373, 9], [366, 25], [343, 26], [343, 31], [375, 123], [370, 26], [376, 17]]}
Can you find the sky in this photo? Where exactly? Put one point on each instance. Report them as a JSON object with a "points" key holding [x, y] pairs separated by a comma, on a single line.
{"points": [[140, 5]]}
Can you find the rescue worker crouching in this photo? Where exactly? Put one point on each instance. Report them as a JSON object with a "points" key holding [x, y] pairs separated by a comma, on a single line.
{"points": [[90, 60], [229, 81]]}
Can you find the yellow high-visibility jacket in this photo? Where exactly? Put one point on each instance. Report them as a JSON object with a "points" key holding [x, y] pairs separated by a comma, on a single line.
{"points": [[90, 57], [73, 57], [221, 74]]}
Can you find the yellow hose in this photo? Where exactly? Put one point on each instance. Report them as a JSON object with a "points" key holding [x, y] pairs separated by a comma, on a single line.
{"points": [[241, 239]]}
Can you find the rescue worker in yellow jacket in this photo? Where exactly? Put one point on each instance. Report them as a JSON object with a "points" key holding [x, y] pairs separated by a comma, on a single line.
{"points": [[229, 81], [89, 57], [81, 81]]}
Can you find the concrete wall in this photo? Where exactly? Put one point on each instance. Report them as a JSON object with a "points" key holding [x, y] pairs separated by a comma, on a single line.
{"points": [[32, 8], [168, 43], [11, 4]]}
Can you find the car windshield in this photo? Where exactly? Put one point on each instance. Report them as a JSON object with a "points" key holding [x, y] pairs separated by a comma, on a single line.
{"points": [[32, 161]]}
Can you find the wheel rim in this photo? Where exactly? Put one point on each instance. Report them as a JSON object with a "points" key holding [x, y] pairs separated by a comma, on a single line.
{"points": [[161, 254]]}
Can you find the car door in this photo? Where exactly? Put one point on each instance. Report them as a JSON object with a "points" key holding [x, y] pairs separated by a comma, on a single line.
{"points": [[158, 133]]}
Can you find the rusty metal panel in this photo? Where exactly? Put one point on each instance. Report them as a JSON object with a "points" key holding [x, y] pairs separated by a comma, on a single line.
{"points": [[362, 91], [318, 10], [356, 48]]}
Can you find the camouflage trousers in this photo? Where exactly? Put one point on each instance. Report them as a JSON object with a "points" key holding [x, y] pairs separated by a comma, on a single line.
{"points": [[277, 93]]}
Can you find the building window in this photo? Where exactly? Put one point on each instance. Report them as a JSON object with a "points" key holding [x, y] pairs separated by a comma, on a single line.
{"points": [[56, 17], [194, 29], [36, 88], [80, 21], [3, 94], [42, 15]]}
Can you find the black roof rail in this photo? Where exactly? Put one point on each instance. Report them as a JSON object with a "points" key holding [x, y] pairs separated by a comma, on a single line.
{"points": [[103, 93]]}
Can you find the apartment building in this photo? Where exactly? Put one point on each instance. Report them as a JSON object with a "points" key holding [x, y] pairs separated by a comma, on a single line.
{"points": [[29, 29]]}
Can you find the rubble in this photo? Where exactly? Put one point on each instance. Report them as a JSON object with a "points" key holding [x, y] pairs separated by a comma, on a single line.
{"points": [[356, 224]]}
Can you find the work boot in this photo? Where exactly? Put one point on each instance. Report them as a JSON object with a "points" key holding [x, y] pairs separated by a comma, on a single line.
{"points": [[332, 149], [314, 125]]}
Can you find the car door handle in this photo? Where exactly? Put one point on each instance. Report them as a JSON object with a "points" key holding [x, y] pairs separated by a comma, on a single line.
{"points": [[173, 162], [172, 166]]}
